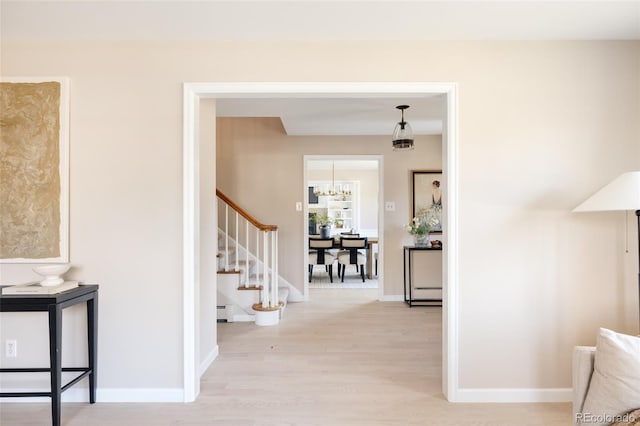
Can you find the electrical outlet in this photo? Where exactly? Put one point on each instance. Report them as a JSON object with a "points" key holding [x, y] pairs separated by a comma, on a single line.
{"points": [[11, 349], [390, 206]]}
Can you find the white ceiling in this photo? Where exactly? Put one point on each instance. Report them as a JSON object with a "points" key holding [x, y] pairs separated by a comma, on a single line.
{"points": [[327, 20], [341, 116], [321, 20]]}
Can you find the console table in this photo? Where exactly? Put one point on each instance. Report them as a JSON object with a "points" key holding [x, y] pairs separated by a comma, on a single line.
{"points": [[53, 304], [408, 278]]}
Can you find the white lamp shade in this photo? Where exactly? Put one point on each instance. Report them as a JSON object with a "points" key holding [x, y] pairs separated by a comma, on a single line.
{"points": [[623, 193]]}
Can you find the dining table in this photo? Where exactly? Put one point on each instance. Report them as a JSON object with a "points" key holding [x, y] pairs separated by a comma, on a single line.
{"points": [[370, 242]]}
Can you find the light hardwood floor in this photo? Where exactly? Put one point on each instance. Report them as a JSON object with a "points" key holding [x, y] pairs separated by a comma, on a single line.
{"points": [[341, 359]]}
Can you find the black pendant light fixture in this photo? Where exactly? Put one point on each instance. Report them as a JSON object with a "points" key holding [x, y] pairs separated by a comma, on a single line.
{"points": [[402, 134]]}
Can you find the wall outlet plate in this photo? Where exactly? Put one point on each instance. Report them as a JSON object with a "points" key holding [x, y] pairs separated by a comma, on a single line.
{"points": [[390, 206], [11, 349]]}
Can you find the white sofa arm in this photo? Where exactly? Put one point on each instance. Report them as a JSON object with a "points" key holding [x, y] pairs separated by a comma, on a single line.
{"points": [[583, 358]]}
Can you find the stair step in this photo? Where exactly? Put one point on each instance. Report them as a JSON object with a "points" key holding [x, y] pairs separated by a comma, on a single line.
{"points": [[250, 287]]}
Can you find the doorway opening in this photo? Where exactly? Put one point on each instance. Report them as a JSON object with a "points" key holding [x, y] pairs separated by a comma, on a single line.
{"points": [[194, 92], [345, 190]]}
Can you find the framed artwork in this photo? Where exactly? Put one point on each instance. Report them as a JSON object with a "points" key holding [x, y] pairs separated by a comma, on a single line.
{"points": [[34, 170], [426, 190]]}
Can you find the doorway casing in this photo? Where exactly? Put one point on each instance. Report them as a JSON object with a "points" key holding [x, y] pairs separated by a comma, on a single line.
{"points": [[192, 94]]}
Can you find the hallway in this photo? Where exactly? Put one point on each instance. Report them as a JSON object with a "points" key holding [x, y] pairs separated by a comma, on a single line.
{"points": [[343, 359]]}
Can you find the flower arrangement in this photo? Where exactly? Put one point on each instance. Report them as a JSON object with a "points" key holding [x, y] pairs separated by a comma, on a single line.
{"points": [[321, 219], [419, 226]]}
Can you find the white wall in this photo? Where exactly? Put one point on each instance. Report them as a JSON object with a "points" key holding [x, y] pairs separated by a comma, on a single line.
{"points": [[208, 235], [542, 126]]}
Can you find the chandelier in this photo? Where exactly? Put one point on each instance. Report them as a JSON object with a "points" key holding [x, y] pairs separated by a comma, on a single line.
{"points": [[333, 189]]}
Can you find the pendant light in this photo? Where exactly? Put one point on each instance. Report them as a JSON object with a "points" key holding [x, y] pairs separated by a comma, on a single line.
{"points": [[402, 135], [333, 190]]}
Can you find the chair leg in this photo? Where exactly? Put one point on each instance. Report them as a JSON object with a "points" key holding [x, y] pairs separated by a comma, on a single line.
{"points": [[310, 272], [362, 272], [330, 267], [344, 268]]}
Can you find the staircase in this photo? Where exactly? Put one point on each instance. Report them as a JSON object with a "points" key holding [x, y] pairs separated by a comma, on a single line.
{"points": [[248, 281]]}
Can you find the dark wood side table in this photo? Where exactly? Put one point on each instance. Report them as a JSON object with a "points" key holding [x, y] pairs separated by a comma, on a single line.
{"points": [[54, 304], [408, 278]]}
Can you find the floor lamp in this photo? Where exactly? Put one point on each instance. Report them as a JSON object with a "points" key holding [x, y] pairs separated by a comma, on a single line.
{"points": [[623, 193]]}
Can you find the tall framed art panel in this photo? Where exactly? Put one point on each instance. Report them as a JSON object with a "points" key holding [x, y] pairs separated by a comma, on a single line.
{"points": [[34, 170]]}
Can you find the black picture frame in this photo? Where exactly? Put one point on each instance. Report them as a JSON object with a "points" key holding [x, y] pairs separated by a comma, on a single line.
{"points": [[426, 195], [313, 198]]}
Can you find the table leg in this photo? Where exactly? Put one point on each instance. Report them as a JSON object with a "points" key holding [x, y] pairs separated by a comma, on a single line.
{"points": [[410, 284], [404, 274], [92, 339], [370, 260], [55, 359]]}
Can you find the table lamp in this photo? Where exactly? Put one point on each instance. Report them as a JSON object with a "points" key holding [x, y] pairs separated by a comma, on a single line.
{"points": [[623, 193]]}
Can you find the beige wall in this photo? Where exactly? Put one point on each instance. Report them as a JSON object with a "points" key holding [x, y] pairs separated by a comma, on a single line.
{"points": [[542, 126], [261, 168]]}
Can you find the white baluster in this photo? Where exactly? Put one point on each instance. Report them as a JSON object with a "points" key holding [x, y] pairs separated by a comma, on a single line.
{"points": [[274, 268], [246, 253], [237, 267], [265, 283], [226, 237], [257, 256]]}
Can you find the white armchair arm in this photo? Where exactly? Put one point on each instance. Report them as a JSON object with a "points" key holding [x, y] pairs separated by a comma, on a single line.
{"points": [[583, 358]]}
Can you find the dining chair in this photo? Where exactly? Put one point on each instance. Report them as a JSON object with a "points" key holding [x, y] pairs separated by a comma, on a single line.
{"points": [[319, 254], [340, 250], [350, 254]]}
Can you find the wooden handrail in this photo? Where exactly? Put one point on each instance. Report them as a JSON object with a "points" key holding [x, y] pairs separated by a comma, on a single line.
{"points": [[243, 213]]}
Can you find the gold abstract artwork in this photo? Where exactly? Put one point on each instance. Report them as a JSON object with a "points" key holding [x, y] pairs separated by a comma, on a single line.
{"points": [[30, 182]]}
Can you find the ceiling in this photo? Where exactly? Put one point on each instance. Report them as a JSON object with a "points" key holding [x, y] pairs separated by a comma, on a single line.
{"points": [[342, 116], [320, 20], [327, 20]]}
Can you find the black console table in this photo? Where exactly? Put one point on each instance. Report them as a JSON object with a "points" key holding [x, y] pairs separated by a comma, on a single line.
{"points": [[54, 304], [408, 278]]}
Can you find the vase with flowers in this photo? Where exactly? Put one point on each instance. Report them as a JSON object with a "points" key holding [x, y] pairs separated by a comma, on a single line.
{"points": [[420, 228], [324, 222]]}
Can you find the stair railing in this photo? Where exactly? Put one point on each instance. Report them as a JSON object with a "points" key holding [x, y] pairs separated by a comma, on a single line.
{"points": [[268, 256]]}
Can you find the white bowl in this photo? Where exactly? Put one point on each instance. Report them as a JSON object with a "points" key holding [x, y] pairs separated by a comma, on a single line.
{"points": [[52, 273]]}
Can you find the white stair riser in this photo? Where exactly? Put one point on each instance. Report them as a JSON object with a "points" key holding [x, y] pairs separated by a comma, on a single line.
{"points": [[228, 294]]}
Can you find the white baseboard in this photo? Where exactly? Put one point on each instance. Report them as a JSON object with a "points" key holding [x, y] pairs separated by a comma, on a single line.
{"points": [[392, 298], [206, 363], [176, 395], [243, 318], [104, 395], [514, 395]]}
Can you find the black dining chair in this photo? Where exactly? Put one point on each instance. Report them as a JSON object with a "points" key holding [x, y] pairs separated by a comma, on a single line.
{"points": [[340, 250], [350, 254], [319, 254]]}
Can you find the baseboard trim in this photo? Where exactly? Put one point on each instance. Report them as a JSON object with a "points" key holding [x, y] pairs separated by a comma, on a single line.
{"points": [[206, 363], [514, 395], [176, 395], [104, 395], [392, 298]]}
